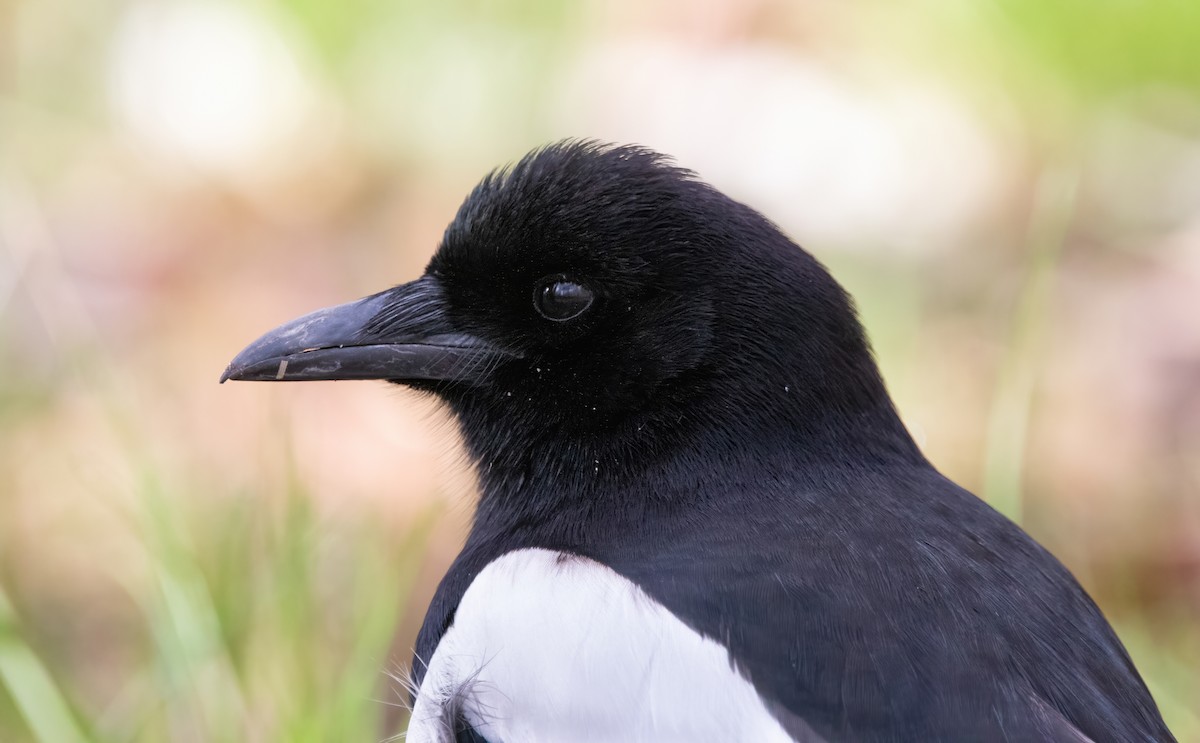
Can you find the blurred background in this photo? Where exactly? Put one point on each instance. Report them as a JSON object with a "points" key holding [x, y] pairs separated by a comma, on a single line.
{"points": [[1011, 189]]}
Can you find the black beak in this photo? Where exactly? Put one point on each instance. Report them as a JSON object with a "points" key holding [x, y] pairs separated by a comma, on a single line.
{"points": [[400, 334]]}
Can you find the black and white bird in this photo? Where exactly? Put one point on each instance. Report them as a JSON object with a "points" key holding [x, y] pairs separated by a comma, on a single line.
{"points": [[701, 518]]}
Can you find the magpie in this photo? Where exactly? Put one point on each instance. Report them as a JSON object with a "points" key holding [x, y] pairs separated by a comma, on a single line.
{"points": [[700, 515]]}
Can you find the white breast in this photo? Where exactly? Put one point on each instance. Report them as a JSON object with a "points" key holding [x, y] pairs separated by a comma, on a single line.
{"points": [[553, 648]]}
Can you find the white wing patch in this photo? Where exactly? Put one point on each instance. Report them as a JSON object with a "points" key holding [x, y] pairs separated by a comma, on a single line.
{"points": [[552, 648]]}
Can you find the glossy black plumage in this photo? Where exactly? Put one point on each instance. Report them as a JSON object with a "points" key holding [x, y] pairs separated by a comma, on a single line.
{"points": [[714, 428], [745, 466]]}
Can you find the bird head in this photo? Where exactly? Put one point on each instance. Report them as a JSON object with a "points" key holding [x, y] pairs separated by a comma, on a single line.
{"points": [[602, 299]]}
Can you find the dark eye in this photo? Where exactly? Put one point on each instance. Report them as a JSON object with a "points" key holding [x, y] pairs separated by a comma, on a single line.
{"points": [[559, 299]]}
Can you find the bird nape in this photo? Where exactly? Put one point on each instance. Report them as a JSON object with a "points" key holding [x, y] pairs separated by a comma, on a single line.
{"points": [[700, 516]]}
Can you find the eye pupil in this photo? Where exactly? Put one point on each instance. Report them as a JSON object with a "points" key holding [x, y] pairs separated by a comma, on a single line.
{"points": [[560, 299]]}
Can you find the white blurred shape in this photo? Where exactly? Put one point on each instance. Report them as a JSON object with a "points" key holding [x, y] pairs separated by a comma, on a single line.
{"points": [[207, 82], [885, 165]]}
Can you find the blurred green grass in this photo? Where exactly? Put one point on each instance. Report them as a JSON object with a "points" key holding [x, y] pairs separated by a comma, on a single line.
{"points": [[239, 615], [253, 623]]}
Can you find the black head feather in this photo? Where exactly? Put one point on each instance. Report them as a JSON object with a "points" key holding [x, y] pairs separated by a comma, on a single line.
{"points": [[707, 321]]}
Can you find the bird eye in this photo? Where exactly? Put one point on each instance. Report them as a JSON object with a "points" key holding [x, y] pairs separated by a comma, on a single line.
{"points": [[559, 299]]}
